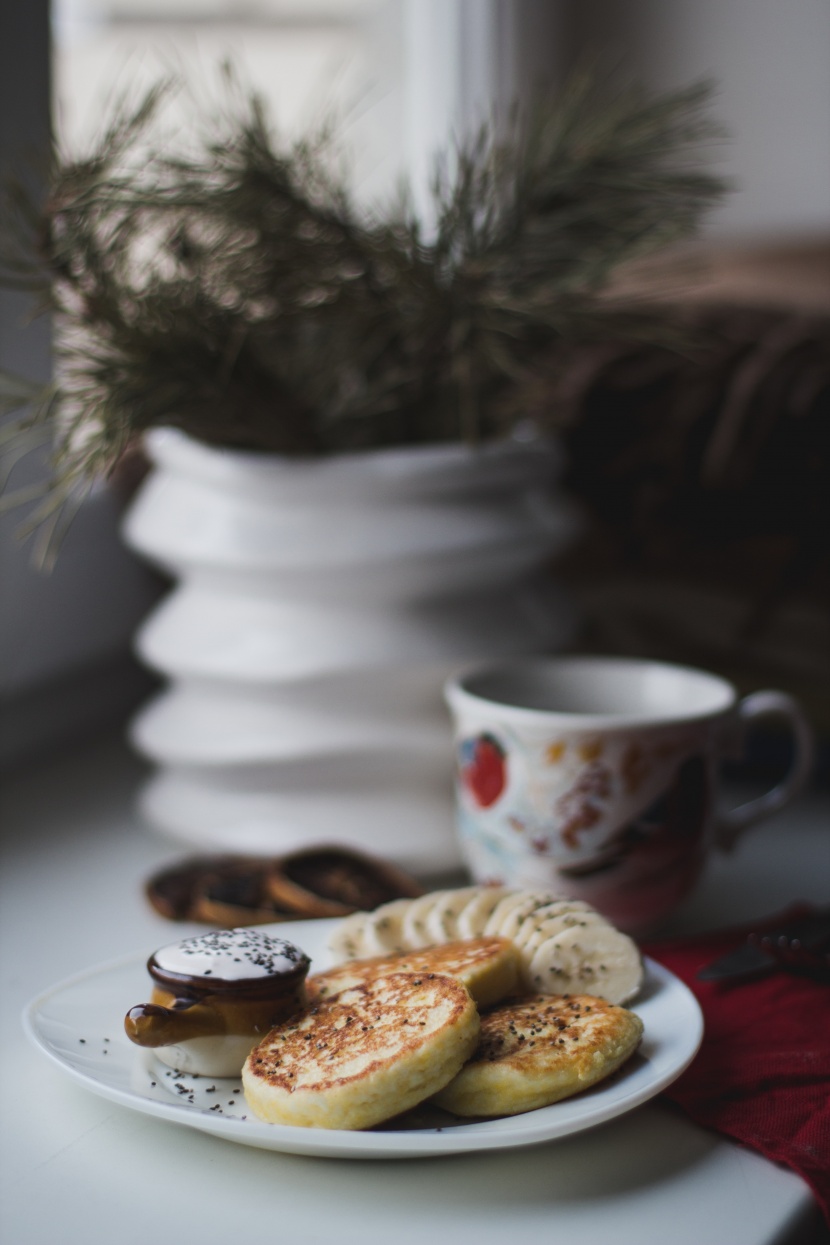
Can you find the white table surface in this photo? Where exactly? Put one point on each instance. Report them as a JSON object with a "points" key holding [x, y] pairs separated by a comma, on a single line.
{"points": [[75, 1167]]}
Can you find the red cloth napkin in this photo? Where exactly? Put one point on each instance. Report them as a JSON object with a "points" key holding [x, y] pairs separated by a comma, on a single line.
{"points": [[762, 1075]]}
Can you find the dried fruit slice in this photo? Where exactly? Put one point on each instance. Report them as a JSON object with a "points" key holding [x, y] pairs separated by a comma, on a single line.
{"points": [[332, 881], [224, 891]]}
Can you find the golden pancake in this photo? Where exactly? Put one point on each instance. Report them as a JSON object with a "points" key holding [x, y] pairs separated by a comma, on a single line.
{"points": [[538, 1050], [373, 1051], [488, 967]]}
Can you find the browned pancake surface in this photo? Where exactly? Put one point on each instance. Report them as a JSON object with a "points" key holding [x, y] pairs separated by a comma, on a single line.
{"points": [[373, 1051], [538, 1050], [488, 967]]}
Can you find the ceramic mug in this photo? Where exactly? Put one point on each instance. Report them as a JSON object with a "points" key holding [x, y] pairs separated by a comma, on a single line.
{"points": [[596, 777]]}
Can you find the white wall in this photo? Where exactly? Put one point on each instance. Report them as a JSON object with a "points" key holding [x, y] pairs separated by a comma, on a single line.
{"points": [[770, 60], [56, 627]]}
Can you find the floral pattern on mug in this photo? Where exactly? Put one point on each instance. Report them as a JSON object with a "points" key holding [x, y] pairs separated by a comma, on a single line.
{"points": [[603, 781], [482, 767], [570, 798]]}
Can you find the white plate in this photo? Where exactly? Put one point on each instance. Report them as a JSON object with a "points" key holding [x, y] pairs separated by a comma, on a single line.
{"points": [[78, 1024]]}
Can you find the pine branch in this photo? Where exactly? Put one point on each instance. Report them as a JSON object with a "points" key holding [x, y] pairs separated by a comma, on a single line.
{"points": [[233, 290]]}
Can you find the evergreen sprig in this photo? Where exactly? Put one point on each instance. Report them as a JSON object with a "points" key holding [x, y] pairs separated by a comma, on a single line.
{"points": [[234, 290]]}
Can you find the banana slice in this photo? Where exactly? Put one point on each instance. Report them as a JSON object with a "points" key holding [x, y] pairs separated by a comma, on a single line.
{"points": [[346, 943], [414, 929], [593, 958], [383, 929], [564, 946], [501, 911], [474, 916], [545, 922], [516, 907], [551, 928], [442, 919]]}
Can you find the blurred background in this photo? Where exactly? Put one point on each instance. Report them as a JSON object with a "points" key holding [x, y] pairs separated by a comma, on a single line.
{"points": [[704, 479]]}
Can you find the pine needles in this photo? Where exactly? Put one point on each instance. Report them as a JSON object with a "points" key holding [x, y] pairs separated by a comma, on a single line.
{"points": [[234, 290]]}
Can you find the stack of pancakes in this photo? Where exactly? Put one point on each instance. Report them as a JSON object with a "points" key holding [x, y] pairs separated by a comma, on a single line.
{"points": [[448, 1023]]}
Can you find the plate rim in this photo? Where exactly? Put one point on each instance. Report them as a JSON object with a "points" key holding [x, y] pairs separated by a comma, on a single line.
{"points": [[369, 1144]]}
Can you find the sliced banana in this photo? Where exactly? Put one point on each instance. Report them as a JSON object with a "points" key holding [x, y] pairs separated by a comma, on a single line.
{"points": [[442, 919], [516, 907], [555, 907], [536, 931], [475, 914], [346, 943], [591, 959], [502, 910], [564, 946], [545, 922], [414, 929], [383, 929]]}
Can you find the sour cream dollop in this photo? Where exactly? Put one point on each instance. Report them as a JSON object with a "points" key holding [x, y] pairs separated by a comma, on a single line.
{"points": [[231, 955]]}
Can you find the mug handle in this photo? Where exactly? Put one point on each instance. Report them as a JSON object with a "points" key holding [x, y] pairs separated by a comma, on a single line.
{"points": [[733, 823]]}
